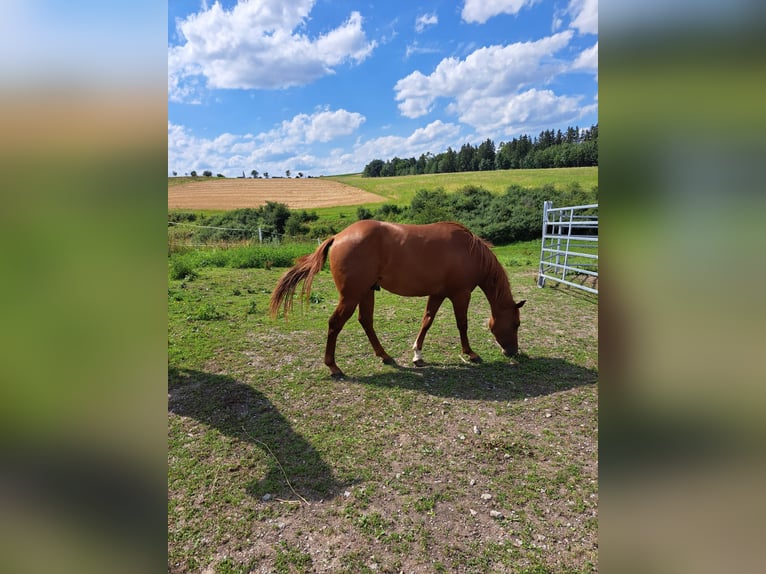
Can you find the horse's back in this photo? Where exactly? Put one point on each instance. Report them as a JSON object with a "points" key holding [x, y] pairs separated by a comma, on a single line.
{"points": [[406, 259]]}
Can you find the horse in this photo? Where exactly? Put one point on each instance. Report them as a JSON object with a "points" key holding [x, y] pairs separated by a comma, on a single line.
{"points": [[439, 260]]}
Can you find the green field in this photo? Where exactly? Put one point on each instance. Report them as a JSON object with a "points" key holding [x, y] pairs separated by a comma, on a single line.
{"points": [[453, 467], [401, 189]]}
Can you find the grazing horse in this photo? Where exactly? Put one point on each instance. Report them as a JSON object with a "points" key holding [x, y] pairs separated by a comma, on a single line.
{"points": [[438, 260]]}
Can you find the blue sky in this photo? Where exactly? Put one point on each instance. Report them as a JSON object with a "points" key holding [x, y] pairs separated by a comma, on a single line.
{"points": [[323, 87]]}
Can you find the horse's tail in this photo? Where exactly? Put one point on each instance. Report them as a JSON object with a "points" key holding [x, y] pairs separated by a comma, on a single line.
{"points": [[304, 270]]}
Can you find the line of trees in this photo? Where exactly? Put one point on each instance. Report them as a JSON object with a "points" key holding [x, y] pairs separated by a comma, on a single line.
{"points": [[572, 148], [254, 173]]}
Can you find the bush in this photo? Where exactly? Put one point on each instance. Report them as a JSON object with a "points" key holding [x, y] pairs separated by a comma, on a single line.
{"points": [[181, 268], [430, 206], [182, 216], [388, 212]]}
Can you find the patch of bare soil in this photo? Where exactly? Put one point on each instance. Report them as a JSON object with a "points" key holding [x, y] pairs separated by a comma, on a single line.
{"points": [[296, 193]]}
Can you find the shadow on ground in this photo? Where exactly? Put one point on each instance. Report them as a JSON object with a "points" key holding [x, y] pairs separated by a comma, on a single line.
{"points": [[237, 410], [498, 380]]}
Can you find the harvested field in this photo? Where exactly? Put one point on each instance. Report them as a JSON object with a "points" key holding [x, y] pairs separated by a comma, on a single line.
{"points": [[296, 193]]}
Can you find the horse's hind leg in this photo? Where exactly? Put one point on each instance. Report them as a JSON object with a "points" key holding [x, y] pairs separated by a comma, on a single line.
{"points": [[434, 302], [342, 312], [366, 310]]}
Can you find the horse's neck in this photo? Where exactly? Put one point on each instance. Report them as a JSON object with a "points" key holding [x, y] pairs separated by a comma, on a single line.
{"points": [[498, 292]]}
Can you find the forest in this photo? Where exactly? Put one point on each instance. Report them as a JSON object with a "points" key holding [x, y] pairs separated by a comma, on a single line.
{"points": [[572, 148]]}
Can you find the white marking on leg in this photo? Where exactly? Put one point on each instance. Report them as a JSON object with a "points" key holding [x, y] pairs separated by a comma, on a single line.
{"points": [[418, 355]]}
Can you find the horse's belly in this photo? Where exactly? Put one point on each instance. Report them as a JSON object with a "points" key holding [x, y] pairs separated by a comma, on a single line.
{"points": [[413, 286]]}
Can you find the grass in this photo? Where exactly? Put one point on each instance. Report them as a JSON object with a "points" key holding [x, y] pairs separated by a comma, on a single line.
{"points": [[401, 189], [382, 471]]}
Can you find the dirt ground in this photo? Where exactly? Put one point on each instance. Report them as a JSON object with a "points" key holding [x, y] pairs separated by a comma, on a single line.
{"points": [[296, 193]]}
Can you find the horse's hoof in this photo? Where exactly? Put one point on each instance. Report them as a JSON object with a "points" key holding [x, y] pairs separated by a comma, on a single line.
{"points": [[337, 376], [389, 361], [476, 359], [419, 363]]}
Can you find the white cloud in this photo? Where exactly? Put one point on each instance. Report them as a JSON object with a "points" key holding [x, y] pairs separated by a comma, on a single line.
{"points": [[285, 147], [425, 20], [480, 11], [434, 137], [274, 151], [500, 90], [587, 60], [528, 111], [416, 48], [584, 15], [494, 71], [320, 127], [258, 44]]}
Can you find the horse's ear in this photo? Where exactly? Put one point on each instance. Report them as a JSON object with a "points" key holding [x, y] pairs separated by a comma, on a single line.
{"points": [[520, 304]]}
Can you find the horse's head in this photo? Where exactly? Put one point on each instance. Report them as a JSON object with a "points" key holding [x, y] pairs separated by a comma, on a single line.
{"points": [[505, 328]]}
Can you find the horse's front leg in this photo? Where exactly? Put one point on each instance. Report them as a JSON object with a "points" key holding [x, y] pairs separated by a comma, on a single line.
{"points": [[366, 310], [342, 312], [460, 306], [434, 302]]}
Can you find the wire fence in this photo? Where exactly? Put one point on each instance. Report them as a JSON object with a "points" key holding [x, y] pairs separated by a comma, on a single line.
{"points": [[249, 236]]}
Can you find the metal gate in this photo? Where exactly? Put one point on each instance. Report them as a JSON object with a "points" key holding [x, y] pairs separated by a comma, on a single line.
{"points": [[569, 251]]}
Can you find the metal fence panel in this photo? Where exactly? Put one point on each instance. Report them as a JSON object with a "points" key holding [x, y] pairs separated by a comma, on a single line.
{"points": [[569, 252]]}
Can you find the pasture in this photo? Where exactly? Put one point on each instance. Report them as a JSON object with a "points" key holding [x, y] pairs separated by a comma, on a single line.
{"points": [[401, 189], [452, 467]]}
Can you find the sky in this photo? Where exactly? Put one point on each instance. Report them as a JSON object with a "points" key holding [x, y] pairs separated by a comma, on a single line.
{"points": [[323, 87]]}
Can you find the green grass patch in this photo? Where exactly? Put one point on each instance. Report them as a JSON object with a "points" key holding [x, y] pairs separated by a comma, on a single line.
{"points": [[381, 471], [402, 189]]}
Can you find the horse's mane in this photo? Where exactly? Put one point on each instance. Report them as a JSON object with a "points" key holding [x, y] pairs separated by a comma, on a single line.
{"points": [[496, 283]]}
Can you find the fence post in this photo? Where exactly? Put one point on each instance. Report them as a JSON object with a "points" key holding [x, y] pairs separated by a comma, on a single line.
{"points": [[540, 278], [260, 235]]}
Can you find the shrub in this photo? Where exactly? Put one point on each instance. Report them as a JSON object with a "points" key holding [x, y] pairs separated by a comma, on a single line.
{"points": [[388, 212], [181, 268], [430, 206], [207, 312]]}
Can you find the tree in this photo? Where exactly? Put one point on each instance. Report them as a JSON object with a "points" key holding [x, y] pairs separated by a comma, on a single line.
{"points": [[300, 174], [207, 173], [449, 162], [287, 173], [266, 174], [486, 155], [275, 216], [374, 168], [175, 173], [254, 173], [193, 173]]}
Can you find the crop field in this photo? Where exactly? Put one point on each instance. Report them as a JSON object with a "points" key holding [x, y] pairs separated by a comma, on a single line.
{"points": [[453, 467], [210, 193]]}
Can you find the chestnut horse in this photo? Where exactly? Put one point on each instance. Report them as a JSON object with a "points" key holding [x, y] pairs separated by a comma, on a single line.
{"points": [[438, 260]]}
